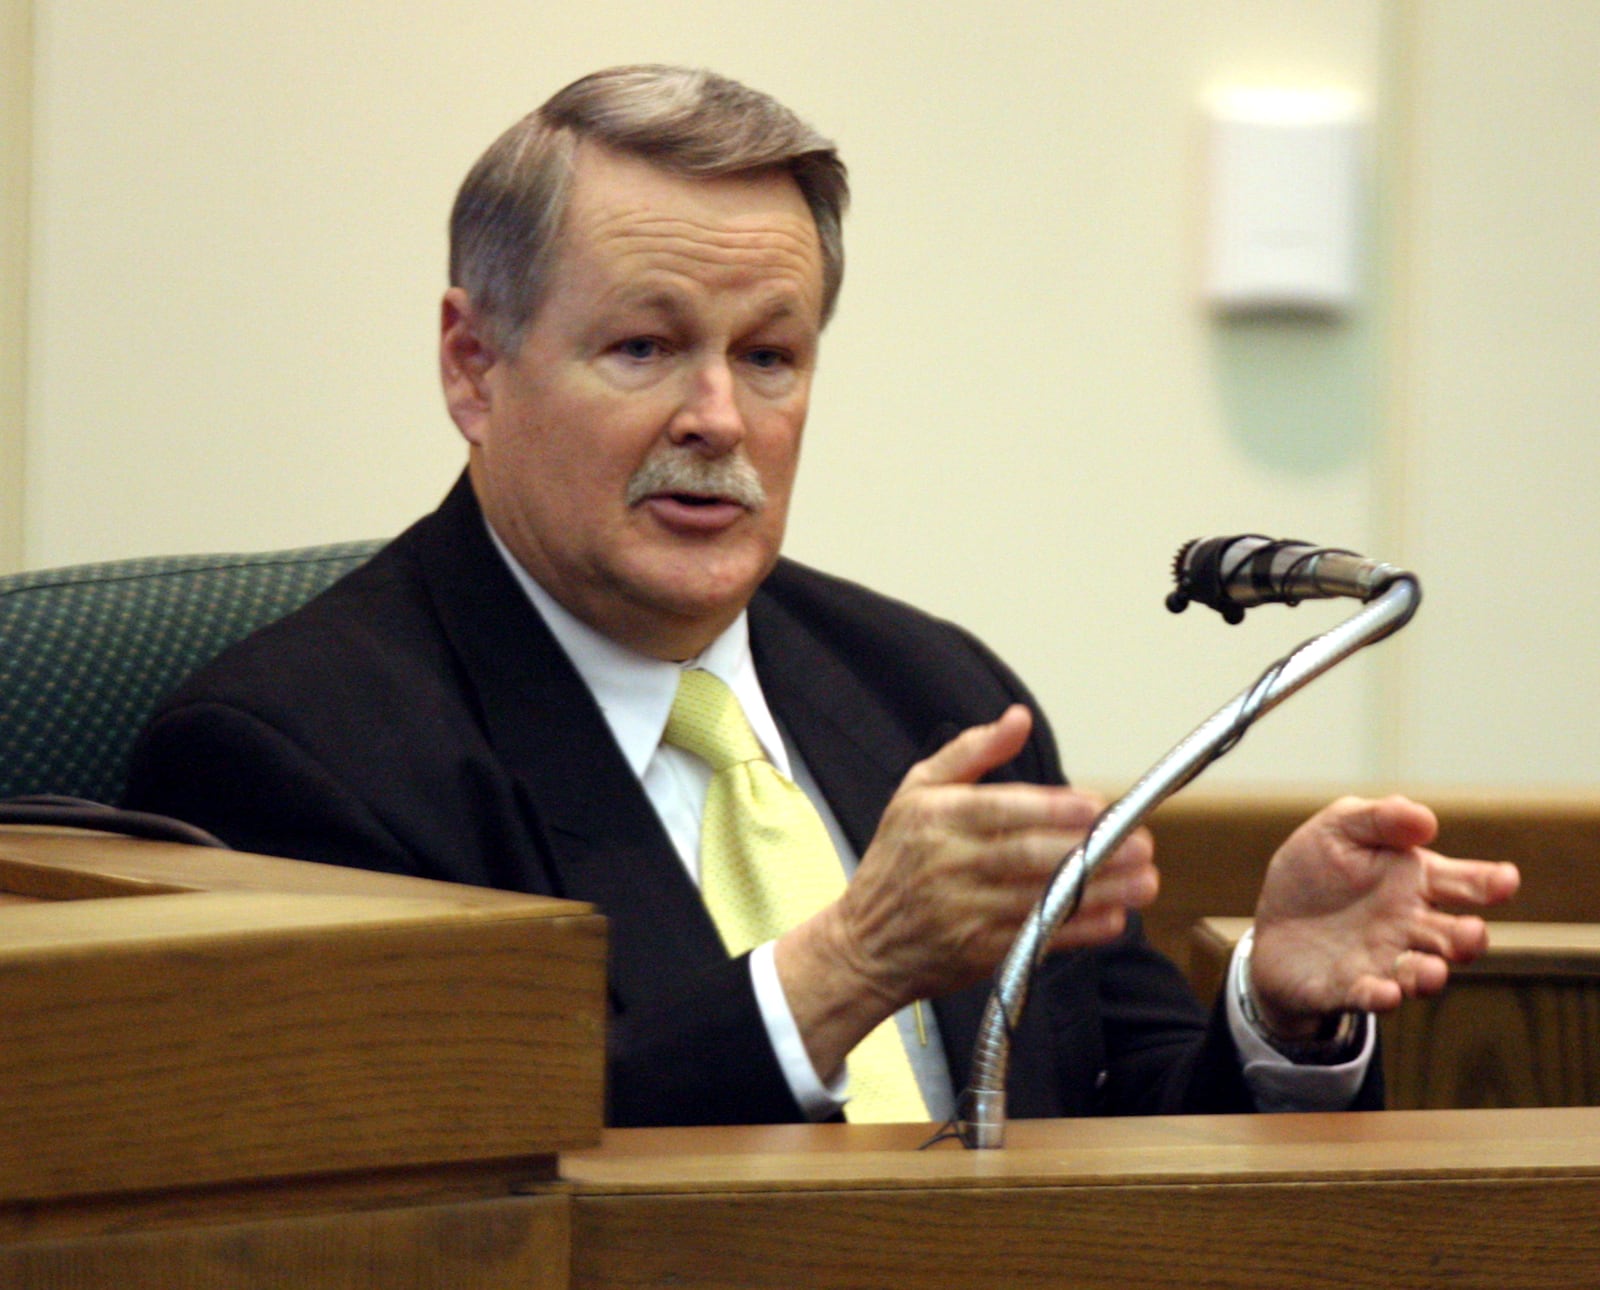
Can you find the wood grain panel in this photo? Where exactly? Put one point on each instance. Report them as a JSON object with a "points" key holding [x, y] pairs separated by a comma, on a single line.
{"points": [[1302, 1236], [263, 1019], [1501, 1199], [517, 1243]]}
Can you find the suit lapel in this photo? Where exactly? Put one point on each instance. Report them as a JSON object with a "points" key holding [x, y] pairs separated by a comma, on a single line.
{"points": [[602, 838], [854, 749]]}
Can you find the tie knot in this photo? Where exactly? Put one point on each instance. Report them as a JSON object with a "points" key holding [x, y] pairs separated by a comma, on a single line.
{"points": [[707, 721]]}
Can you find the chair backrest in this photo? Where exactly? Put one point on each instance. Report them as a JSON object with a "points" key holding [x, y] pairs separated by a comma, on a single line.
{"points": [[87, 652]]}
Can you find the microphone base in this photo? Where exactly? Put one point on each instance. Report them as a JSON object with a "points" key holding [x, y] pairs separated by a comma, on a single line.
{"points": [[987, 1127]]}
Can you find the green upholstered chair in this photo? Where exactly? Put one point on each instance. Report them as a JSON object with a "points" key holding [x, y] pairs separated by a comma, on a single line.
{"points": [[87, 652]]}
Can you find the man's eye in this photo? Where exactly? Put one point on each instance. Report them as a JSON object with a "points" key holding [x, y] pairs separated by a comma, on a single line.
{"points": [[639, 347], [768, 359]]}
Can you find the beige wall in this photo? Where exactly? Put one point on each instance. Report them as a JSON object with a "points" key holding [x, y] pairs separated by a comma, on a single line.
{"points": [[16, 85], [238, 242], [1499, 424]]}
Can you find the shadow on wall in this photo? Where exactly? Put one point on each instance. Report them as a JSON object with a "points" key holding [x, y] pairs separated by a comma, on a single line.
{"points": [[1299, 393]]}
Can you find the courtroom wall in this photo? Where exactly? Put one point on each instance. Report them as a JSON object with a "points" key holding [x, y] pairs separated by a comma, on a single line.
{"points": [[1495, 423], [16, 98], [237, 246]]}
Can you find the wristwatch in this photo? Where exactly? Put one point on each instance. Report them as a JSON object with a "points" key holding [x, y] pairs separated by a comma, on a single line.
{"points": [[1337, 1040]]}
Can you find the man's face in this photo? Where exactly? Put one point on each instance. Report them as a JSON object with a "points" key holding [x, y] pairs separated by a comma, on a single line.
{"points": [[637, 452]]}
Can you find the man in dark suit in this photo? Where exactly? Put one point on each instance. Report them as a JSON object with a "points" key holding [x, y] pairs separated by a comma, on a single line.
{"points": [[641, 272]]}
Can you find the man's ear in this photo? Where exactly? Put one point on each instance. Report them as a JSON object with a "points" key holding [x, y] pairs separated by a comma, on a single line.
{"points": [[465, 356]]}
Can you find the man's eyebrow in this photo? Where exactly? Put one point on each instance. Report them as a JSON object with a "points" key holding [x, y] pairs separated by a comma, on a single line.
{"points": [[784, 306], [650, 300], [780, 306]]}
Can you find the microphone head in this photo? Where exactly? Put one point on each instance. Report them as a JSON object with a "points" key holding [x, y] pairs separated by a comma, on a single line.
{"points": [[1233, 574], [1202, 573]]}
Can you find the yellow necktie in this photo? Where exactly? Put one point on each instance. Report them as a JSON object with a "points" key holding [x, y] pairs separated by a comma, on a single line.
{"points": [[767, 863]]}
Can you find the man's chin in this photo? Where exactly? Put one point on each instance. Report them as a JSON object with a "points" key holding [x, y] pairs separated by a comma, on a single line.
{"points": [[698, 603]]}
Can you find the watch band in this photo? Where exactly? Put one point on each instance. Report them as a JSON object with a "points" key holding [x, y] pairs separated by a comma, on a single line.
{"points": [[1339, 1038]]}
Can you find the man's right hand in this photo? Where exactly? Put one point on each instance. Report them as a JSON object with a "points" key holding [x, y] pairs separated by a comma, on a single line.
{"points": [[954, 870]]}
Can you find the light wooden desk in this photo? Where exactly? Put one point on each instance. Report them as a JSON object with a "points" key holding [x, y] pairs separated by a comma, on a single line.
{"points": [[1470, 1200]]}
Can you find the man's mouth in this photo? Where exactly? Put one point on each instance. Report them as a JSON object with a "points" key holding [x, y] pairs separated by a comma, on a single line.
{"points": [[700, 499], [700, 514]]}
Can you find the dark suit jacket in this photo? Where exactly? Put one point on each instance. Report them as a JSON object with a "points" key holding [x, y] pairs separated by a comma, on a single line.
{"points": [[419, 718]]}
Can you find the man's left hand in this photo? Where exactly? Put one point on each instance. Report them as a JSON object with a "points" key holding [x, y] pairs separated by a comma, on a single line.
{"points": [[1354, 914]]}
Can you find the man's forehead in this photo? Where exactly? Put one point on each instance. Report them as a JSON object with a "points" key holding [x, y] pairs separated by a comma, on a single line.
{"points": [[608, 185], [647, 232]]}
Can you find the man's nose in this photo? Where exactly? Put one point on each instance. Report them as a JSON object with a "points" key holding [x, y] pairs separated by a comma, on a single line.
{"points": [[709, 414]]}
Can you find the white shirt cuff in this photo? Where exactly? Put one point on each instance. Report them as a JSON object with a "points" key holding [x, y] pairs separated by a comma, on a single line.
{"points": [[1276, 1083], [818, 1101]]}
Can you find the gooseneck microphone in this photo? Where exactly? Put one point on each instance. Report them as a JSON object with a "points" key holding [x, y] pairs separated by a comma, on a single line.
{"points": [[1232, 574]]}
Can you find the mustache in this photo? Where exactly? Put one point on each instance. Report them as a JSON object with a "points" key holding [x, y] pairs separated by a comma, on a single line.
{"points": [[683, 470]]}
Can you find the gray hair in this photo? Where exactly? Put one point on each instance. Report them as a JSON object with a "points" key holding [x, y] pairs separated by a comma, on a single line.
{"points": [[507, 217]]}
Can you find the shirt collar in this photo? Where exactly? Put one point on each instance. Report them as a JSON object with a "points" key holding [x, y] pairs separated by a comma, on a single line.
{"points": [[634, 691]]}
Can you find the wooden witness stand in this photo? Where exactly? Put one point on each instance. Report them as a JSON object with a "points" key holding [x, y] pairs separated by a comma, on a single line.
{"points": [[261, 1073], [223, 1070]]}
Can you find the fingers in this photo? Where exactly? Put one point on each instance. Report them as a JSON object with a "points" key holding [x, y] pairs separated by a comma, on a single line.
{"points": [[1090, 927], [1397, 824], [956, 866], [1420, 975], [975, 751], [1413, 974], [1450, 938], [1127, 880], [1013, 868], [939, 905], [1390, 823], [1376, 994], [994, 810], [988, 810], [1356, 910], [1423, 968], [1468, 882]]}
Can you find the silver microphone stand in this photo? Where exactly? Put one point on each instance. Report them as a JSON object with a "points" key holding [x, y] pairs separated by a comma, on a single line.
{"points": [[983, 1111]]}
